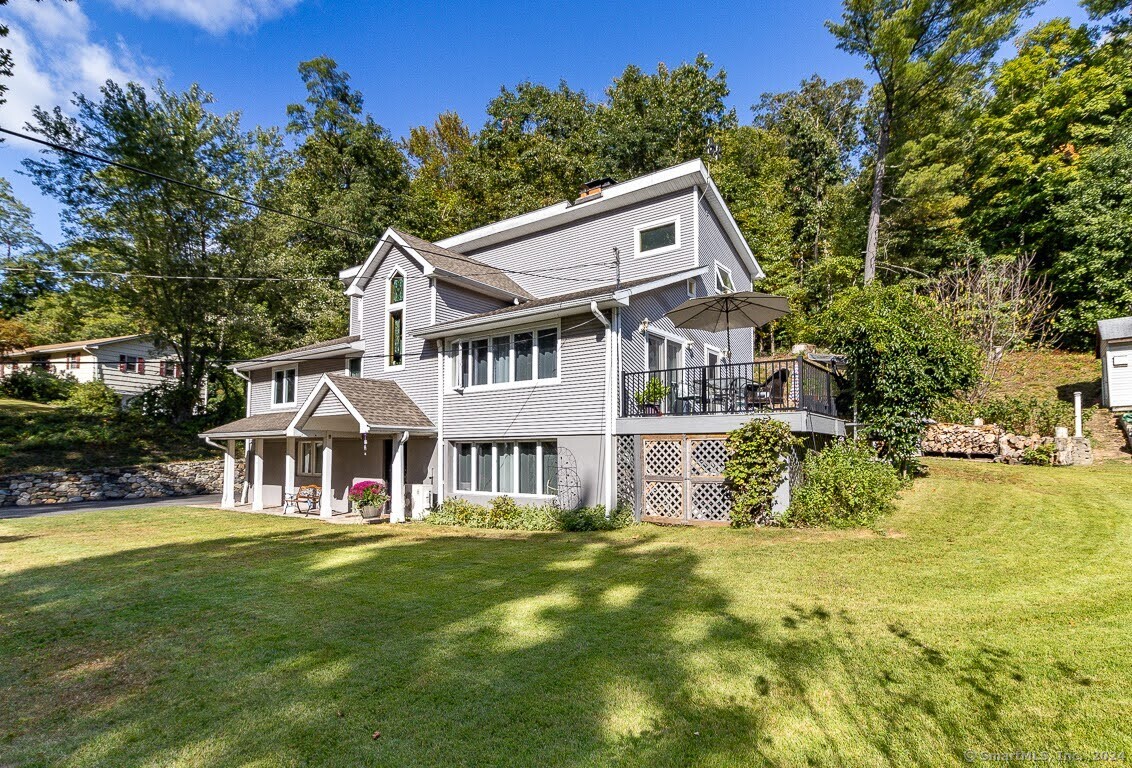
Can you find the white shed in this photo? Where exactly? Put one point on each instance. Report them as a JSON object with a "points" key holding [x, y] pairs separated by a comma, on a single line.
{"points": [[1114, 348]]}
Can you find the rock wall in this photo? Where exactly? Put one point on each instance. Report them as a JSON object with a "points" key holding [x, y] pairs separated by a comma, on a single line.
{"points": [[184, 478]]}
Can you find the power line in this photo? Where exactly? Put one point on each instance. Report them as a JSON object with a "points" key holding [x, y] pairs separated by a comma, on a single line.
{"points": [[188, 184], [134, 275], [268, 209]]}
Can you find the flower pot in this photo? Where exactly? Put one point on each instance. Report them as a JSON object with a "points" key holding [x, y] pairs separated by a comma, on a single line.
{"points": [[370, 512], [650, 409]]}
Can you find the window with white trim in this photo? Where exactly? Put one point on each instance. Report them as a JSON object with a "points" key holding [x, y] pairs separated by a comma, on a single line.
{"points": [[395, 327], [724, 283], [310, 457], [354, 367], [657, 237], [72, 361], [506, 358], [283, 384], [691, 288], [527, 468]]}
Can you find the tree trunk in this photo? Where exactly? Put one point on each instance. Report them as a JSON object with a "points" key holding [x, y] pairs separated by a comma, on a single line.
{"points": [[877, 198]]}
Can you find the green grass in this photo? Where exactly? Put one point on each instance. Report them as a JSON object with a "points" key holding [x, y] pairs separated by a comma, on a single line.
{"points": [[992, 612], [36, 437]]}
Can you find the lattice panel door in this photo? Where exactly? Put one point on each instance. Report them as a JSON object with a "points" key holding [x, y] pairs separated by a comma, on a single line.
{"points": [[664, 499], [709, 499], [706, 456], [663, 457]]}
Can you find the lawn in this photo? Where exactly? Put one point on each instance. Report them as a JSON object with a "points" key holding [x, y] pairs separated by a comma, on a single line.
{"points": [[992, 612]]}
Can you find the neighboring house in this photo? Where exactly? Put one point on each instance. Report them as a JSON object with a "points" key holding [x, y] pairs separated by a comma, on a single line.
{"points": [[511, 360], [1114, 348], [129, 365]]}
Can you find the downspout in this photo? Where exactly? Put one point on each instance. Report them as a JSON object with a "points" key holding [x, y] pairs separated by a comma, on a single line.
{"points": [[608, 436]]}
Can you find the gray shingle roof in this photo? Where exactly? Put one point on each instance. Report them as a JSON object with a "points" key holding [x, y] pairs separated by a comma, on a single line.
{"points": [[272, 422], [464, 266], [1114, 328], [380, 402], [310, 348]]}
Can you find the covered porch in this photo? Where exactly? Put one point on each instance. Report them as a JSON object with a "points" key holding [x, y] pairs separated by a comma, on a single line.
{"points": [[348, 430]]}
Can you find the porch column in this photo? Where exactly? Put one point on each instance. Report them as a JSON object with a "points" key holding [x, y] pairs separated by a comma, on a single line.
{"points": [[257, 474], [228, 491], [397, 482], [327, 509], [289, 467]]}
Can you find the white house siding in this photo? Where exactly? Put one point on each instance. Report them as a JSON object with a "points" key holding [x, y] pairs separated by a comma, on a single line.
{"points": [[418, 374], [714, 246], [355, 315], [1118, 380], [589, 244], [309, 373], [574, 406], [131, 384], [87, 370], [454, 302]]}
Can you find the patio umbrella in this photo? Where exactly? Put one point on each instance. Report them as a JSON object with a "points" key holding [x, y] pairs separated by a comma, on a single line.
{"points": [[724, 311]]}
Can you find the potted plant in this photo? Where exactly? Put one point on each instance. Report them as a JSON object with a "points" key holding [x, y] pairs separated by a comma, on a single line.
{"points": [[651, 396], [369, 497]]}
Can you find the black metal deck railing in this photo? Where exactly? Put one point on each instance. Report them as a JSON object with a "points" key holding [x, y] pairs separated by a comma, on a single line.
{"points": [[784, 384]]}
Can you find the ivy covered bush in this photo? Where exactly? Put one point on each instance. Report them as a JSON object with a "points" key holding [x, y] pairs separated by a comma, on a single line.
{"points": [[843, 486], [758, 455], [505, 513]]}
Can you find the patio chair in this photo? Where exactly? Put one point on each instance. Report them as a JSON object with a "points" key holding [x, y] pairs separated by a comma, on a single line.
{"points": [[723, 394], [771, 392]]}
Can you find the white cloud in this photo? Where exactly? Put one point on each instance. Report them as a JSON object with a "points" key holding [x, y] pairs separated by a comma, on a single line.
{"points": [[214, 16], [54, 55]]}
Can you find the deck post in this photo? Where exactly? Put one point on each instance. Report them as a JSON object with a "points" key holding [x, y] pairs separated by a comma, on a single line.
{"points": [[397, 482], [228, 490], [289, 468], [257, 474], [326, 508]]}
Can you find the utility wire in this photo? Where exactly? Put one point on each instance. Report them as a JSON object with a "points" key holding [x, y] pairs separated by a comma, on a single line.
{"points": [[259, 206]]}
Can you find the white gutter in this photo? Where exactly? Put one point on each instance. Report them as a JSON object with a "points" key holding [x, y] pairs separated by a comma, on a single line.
{"points": [[608, 436]]}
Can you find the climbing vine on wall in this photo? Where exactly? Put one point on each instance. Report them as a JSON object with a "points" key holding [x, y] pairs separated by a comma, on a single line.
{"points": [[758, 454]]}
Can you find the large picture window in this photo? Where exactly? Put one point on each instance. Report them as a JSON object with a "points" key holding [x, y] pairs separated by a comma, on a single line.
{"points": [[522, 469], [283, 386], [526, 356]]}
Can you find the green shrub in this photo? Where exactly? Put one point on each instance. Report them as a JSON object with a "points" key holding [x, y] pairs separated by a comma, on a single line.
{"points": [[1020, 415], [758, 454], [505, 514], [843, 485], [94, 398], [1039, 455], [37, 385]]}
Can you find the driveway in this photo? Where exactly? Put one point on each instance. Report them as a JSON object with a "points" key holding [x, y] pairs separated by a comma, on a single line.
{"points": [[47, 510]]}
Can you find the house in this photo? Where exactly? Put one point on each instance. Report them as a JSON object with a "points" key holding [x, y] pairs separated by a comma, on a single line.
{"points": [[513, 359], [1114, 348], [130, 365]]}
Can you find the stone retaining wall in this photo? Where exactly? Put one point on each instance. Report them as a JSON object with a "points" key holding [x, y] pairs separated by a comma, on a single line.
{"points": [[184, 478], [992, 441]]}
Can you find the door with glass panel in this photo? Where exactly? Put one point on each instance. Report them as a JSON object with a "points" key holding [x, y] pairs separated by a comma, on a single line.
{"points": [[666, 362]]}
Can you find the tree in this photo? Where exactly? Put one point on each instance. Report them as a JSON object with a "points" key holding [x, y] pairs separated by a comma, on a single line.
{"points": [[649, 122], [13, 335], [821, 126], [24, 257], [131, 223], [904, 357], [916, 48], [346, 173]]}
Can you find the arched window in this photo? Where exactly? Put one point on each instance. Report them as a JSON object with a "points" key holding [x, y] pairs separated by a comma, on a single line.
{"points": [[395, 333]]}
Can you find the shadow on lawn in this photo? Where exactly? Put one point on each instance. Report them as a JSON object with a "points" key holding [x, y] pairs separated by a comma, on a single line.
{"points": [[294, 647]]}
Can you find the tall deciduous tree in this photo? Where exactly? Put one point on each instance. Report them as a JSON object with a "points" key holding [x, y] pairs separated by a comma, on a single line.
{"points": [[24, 258], [131, 223], [916, 48]]}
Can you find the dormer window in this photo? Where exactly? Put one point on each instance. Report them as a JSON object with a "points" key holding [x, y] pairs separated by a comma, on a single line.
{"points": [[724, 283], [658, 237], [395, 326]]}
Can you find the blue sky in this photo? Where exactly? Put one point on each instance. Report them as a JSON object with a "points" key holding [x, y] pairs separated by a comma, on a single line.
{"points": [[411, 60]]}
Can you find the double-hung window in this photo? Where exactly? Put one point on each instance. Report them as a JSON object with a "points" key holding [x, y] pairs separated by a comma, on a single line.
{"points": [[283, 386], [526, 356], [525, 468]]}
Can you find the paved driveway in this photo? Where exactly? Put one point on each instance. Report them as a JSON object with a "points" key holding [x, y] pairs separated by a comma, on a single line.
{"points": [[45, 510]]}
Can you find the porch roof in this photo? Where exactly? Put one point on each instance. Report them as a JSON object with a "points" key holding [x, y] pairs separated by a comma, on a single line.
{"points": [[271, 424], [376, 405]]}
